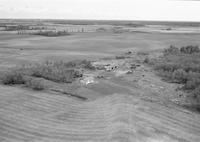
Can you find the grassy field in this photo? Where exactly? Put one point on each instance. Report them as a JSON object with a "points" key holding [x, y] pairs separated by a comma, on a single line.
{"points": [[16, 49]]}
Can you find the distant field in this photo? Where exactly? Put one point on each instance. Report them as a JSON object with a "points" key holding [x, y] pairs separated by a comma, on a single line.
{"points": [[15, 49]]}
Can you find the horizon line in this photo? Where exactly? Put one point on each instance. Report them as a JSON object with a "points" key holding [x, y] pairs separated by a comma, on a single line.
{"points": [[99, 20]]}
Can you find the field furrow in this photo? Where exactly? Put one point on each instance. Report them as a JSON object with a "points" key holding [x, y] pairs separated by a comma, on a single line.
{"points": [[44, 117]]}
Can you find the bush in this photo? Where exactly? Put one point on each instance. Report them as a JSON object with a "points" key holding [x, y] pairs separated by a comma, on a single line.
{"points": [[166, 75], [180, 66], [142, 53], [120, 57], [192, 83], [52, 33], [196, 93], [171, 50], [169, 67], [12, 77], [36, 84], [57, 71], [80, 64], [190, 49], [147, 60], [179, 76], [87, 65]]}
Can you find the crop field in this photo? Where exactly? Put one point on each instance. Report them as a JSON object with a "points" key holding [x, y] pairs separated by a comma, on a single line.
{"points": [[93, 86]]}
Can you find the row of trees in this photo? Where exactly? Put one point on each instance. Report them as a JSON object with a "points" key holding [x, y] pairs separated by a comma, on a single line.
{"points": [[190, 49], [52, 33]]}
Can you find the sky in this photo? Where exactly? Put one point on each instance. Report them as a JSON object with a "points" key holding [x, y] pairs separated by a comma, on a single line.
{"points": [[160, 10]]}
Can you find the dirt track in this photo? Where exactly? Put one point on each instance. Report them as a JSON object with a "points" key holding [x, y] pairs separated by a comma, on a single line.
{"points": [[43, 117]]}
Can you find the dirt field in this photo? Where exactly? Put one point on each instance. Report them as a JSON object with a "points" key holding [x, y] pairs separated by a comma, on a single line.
{"points": [[136, 107], [43, 117]]}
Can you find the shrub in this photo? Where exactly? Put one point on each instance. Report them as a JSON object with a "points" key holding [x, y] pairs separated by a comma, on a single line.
{"points": [[120, 57], [190, 49], [180, 66], [80, 64], [196, 93], [57, 71], [169, 67], [12, 77], [87, 65], [179, 76], [142, 53], [171, 50], [52, 33], [146, 60], [36, 84], [166, 75], [192, 83]]}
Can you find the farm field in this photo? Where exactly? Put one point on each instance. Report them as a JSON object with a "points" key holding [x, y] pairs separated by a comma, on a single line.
{"points": [[22, 48], [121, 100]]}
